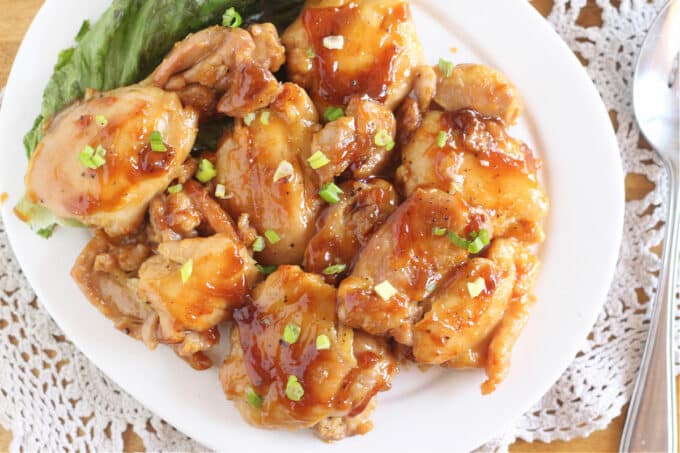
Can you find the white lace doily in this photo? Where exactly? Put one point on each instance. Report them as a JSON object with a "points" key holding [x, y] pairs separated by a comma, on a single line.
{"points": [[52, 398]]}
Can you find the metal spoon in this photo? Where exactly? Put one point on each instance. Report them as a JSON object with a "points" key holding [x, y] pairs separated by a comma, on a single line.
{"points": [[651, 424]]}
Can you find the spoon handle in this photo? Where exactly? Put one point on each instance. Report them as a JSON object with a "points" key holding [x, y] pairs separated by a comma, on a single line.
{"points": [[651, 421]]}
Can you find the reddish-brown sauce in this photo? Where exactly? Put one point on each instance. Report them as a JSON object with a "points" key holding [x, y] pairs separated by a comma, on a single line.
{"points": [[482, 135], [336, 84]]}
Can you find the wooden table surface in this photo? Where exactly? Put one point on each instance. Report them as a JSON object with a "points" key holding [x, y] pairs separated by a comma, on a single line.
{"points": [[17, 16]]}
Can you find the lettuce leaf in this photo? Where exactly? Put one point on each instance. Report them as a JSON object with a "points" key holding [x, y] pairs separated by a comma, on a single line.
{"points": [[130, 40]]}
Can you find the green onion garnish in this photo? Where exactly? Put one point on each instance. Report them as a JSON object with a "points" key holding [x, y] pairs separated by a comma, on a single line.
{"points": [[272, 236], [310, 53], [249, 118], [335, 269], [101, 120], [333, 113], [323, 342], [186, 270], [476, 287], [294, 390], [254, 398], [478, 240], [175, 189], [258, 244], [231, 18], [439, 231], [206, 171], [318, 160], [446, 67], [385, 290], [383, 138], [266, 270], [221, 192], [157, 144], [330, 193], [91, 158], [264, 117], [284, 170], [291, 333], [442, 138]]}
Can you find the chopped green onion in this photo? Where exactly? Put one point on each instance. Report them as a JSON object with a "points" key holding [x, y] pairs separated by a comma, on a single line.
{"points": [[294, 390], [221, 192], [231, 18], [323, 342], [476, 287], [442, 138], [284, 170], [310, 53], [101, 120], [330, 193], [47, 231], [264, 117], [186, 270], [385, 290], [458, 241], [254, 398], [383, 138], [484, 236], [439, 231], [430, 287], [446, 67], [333, 113], [272, 236], [91, 158], [475, 246], [258, 244], [206, 171], [265, 270], [249, 118], [291, 333], [175, 189], [157, 144], [335, 269], [318, 160], [479, 240]]}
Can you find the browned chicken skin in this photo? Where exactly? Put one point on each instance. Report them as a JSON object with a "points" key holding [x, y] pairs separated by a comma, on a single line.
{"points": [[378, 53], [225, 70], [407, 254], [335, 372], [247, 163], [344, 228], [482, 164]]}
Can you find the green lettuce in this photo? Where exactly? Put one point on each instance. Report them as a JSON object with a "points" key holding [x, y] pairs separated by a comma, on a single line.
{"points": [[130, 40]]}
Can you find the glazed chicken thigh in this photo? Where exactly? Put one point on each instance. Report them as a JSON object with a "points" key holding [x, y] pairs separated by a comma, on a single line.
{"points": [[261, 165], [292, 365], [228, 70], [404, 261], [472, 155], [341, 48], [96, 163]]}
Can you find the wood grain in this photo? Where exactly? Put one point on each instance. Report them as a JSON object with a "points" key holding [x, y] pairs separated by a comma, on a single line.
{"points": [[14, 21]]}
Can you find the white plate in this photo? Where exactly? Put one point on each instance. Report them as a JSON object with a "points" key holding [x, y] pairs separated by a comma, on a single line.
{"points": [[566, 123]]}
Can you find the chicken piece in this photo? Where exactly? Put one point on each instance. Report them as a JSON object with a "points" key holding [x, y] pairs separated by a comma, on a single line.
{"points": [[409, 119], [480, 88], [186, 214], [344, 228], [340, 48], [199, 295], [464, 329], [228, 70], [247, 162], [114, 195], [483, 164], [404, 261], [323, 374], [424, 86], [361, 142], [105, 271]]}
